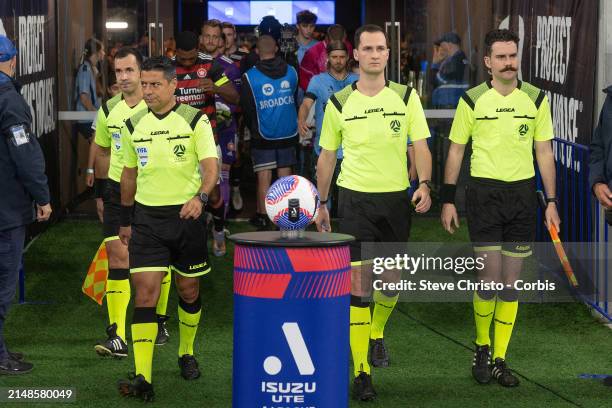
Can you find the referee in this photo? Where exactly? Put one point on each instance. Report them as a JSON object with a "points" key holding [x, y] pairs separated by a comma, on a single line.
{"points": [[372, 120], [503, 117], [170, 167], [109, 121]]}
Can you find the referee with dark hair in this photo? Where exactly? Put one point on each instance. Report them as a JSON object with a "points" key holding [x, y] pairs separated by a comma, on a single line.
{"points": [[107, 142], [503, 117], [170, 167], [372, 119]]}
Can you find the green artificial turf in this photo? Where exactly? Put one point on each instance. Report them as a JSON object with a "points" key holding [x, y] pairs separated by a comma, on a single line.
{"points": [[430, 359]]}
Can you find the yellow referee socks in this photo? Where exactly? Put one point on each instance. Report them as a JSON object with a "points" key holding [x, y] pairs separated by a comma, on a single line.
{"points": [[505, 317], [118, 298], [144, 331], [189, 319], [484, 306], [162, 302], [360, 334], [383, 306]]}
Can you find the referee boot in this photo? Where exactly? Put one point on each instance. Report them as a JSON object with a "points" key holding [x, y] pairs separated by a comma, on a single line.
{"points": [[481, 365], [363, 390], [189, 367], [163, 335], [12, 366], [379, 356], [504, 376], [114, 346], [136, 386]]}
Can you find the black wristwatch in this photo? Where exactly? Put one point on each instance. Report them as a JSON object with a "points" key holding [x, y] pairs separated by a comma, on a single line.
{"points": [[203, 198], [552, 200], [427, 183]]}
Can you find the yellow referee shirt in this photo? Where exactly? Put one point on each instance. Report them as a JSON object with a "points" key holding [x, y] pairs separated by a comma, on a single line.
{"points": [[167, 150], [373, 132], [109, 121], [502, 129]]}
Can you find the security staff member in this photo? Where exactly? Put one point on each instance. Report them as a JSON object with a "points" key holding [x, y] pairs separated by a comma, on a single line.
{"points": [[503, 117], [170, 167], [23, 180], [372, 119]]}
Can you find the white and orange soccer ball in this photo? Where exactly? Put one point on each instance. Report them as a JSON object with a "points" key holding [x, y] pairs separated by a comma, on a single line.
{"points": [[277, 202]]}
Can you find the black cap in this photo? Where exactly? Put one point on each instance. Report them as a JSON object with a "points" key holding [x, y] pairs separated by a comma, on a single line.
{"points": [[450, 38], [270, 26]]}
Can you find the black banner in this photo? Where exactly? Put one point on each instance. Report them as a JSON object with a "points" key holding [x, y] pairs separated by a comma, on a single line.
{"points": [[30, 24], [558, 49]]}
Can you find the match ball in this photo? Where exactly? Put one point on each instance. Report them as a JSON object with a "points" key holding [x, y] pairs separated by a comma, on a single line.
{"points": [[292, 188]]}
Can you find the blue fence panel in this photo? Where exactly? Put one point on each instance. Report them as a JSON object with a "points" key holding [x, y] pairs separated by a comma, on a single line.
{"points": [[581, 217]]}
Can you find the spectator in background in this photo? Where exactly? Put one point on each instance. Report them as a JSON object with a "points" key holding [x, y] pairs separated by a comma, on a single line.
{"points": [[315, 59], [86, 95], [600, 162], [170, 47], [306, 21], [448, 71], [267, 98]]}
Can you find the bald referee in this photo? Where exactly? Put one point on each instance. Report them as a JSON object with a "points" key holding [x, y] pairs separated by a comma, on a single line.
{"points": [[505, 119], [372, 120]]}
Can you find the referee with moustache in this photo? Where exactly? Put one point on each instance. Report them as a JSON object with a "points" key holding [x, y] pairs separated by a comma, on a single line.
{"points": [[170, 167], [507, 120]]}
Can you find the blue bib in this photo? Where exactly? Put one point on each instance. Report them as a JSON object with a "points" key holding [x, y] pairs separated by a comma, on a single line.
{"points": [[275, 103]]}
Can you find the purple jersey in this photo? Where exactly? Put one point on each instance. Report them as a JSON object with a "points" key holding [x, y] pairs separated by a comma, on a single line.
{"points": [[226, 113], [232, 72]]}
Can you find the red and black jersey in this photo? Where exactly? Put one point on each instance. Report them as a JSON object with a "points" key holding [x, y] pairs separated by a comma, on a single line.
{"points": [[188, 89]]}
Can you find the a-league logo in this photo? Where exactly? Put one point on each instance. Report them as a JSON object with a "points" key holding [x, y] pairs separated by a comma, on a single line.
{"points": [[272, 365], [179, 150], [395, 125]]}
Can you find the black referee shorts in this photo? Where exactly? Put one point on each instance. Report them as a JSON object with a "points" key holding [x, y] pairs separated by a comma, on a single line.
{"points": [[373, 217], [161, 239], [502, 215], [112, 207]]}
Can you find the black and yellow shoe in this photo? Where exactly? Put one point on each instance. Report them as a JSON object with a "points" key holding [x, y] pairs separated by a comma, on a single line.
{"points": [[163, 335], [136, 386], [363, 390], [114, 346], [189, 367], [379, 356], [504, 376], [481, 365]]}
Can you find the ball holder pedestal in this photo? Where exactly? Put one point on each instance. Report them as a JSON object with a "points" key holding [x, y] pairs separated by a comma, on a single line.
{"points": [[291, 319]]}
